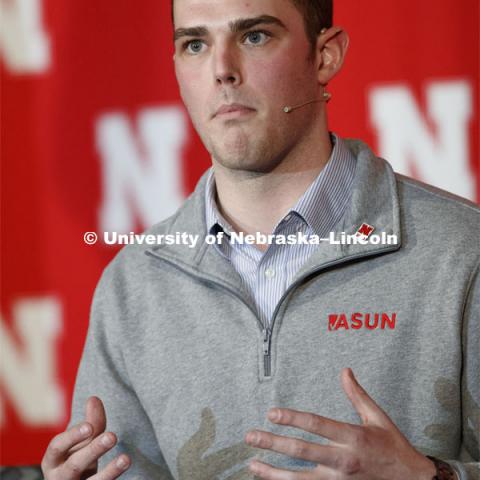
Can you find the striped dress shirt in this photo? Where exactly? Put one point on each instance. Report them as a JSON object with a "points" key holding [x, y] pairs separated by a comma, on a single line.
{"points": [[267, 274]]}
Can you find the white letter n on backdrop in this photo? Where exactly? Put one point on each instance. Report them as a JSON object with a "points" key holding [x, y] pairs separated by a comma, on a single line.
{"points": [[142, 174], [24, 43], [28, 370], [435, 149]]}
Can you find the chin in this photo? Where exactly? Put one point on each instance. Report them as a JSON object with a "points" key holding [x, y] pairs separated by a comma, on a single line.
{"points": [[238, 150], [232, 152], [259, 164], [234, 162]]}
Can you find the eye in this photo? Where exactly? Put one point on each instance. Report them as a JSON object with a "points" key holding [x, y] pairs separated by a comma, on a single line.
{"points": [[257, 37], [193, 46]]}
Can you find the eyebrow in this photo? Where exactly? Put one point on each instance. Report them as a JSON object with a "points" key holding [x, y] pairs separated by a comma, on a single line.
{"points": [[236, 26]]}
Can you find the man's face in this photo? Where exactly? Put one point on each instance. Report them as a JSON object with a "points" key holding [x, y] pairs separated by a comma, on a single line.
{"points": [[238, 64]]}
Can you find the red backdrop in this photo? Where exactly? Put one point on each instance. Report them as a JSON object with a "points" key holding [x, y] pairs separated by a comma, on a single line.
{"points": [[94, 138]]}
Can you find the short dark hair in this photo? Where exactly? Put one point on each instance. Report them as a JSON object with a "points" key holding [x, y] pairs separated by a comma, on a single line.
{"points": [[317, 14]]}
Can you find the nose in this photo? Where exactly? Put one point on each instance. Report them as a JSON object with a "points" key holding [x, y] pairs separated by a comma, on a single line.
{"points": [[226, 66]]}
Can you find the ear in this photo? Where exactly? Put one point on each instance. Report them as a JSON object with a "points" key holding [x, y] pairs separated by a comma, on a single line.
{"points": [[332, 46]]}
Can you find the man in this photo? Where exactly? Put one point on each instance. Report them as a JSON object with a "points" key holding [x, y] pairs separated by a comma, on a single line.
{"points": [[224, 360]]}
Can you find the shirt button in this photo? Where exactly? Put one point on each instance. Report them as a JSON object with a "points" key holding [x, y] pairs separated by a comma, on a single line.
{"points": [[269, 272]]}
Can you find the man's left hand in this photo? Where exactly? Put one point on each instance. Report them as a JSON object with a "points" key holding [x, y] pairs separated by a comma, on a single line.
{"points": [[374, 450]]}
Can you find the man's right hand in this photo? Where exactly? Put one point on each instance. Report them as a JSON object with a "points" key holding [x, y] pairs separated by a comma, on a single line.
{"points": [[74, 454]]}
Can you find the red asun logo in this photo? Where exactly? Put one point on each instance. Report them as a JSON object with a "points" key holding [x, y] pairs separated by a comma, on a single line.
{"points": [[357, 321]]}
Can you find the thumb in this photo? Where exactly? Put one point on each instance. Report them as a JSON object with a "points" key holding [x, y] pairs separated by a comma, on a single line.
{"points": [[366, 407], [95, 415]]}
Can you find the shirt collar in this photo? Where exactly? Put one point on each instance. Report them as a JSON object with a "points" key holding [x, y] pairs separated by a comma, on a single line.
{"points": [[321, 206], [214, 218]]}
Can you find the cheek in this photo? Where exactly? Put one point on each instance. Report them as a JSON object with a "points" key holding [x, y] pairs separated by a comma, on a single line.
{"points": [[190, 85], [278, 78]]}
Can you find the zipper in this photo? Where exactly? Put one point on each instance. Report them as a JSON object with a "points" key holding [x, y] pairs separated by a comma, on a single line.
{"points": [[267, 330], [267, 346]]}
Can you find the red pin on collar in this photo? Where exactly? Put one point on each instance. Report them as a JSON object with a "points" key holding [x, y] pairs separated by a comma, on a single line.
{"points": [[364, 231]]}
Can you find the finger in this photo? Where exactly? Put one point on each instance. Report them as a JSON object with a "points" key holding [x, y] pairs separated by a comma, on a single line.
{"points": [[332, 429], [367, 408], [114, 469], [60, 445], [293, 447], [95, 416], [267, 472], [82, 460]]}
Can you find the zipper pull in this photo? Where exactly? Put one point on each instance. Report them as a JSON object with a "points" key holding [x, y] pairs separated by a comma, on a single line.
{"points": [[267, 336]]}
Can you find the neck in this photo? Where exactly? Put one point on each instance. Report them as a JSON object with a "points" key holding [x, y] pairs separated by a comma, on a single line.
{"points": [[255, 202]]}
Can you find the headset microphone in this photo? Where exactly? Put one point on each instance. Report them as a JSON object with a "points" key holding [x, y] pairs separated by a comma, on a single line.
{"points": [[326, 97]]}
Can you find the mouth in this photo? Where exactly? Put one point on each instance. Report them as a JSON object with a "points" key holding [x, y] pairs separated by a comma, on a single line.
{"points": [[234, 110]]}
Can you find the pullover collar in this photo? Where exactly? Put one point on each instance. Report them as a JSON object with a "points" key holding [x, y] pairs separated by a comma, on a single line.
{"points": [[374, 200]]}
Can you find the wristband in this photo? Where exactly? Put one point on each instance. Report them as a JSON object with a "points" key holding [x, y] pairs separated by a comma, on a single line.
{"points": [[444, 470]]}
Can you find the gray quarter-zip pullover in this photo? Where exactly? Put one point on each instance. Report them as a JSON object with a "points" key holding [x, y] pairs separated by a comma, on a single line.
{"points": [[185, 368]]}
